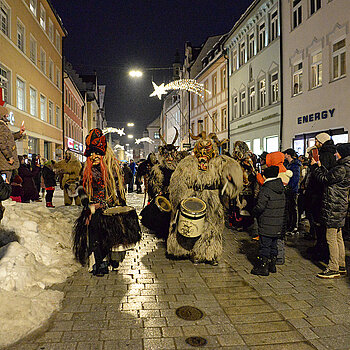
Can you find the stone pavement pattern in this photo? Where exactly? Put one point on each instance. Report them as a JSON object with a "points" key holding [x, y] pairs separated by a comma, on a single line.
{"points": [[134, 308]]}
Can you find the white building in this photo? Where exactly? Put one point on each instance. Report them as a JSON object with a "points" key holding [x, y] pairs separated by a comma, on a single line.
{"points": [[152, 131], [253, 47], [315, 55], [171, 117]]}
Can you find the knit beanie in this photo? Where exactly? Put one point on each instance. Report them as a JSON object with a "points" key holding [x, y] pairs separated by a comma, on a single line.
{"points": [[271, 171], [343, 149], [322, 137]]}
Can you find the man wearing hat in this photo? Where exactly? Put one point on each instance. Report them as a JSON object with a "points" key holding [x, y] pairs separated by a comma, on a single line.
{"points": [[334, 207], [326, 149]]}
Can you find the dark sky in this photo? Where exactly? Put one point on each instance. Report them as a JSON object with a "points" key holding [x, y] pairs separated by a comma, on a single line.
{"points": [[111, 36]]}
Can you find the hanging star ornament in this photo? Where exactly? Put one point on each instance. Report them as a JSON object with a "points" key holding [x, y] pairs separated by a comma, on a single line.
{"points": [[144, 139], [190, 85], [113, 130]]}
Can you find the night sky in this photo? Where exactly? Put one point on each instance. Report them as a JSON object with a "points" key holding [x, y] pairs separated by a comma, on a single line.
{"points": [[112, 36]]}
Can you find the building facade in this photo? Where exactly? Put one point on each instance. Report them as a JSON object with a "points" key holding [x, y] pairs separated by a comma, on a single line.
{"points": [[152, 131], [315, 57], [253, 47], [31, 35], [171, 117]]}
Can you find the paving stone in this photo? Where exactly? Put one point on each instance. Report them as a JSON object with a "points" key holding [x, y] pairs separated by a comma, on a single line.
{"points": [[261, 327], [97, 345], [171, 332], [272, 338], [230, 339], [290, 346], [116, 334], [252, 318], [159, 344], [130, 344]]}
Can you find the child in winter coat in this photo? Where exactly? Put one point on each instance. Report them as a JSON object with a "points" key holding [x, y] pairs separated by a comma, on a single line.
{"points": [[49, 177], [270, 212], [17, 189]]}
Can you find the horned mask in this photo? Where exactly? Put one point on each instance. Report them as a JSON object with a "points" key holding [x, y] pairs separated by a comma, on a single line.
{"points": [[168, 152]]}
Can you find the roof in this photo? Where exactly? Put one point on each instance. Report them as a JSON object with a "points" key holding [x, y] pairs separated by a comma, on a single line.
{"points": [[59, 20]]}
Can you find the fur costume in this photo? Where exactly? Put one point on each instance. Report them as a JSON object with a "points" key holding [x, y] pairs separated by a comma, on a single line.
{"points": [[207, 176], [96, 231]]}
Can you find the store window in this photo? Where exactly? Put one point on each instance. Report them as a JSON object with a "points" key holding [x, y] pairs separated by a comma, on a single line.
{"points": [[274, 88], [5, 80], [297, 13], [33, 102], [315, 5], [339, 59], [243, 103], [21, 89], [271, 144], [297, 79], [4, 18], [316, 70], [262, 93], [273, 25], [262, 36], [33, 145], [43, 108]]}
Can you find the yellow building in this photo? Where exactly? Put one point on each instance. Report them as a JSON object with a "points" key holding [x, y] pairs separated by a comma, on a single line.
{"points": [[31, 73]]}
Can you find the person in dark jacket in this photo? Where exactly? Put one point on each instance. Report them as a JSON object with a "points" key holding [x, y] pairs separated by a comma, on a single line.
{"points": [[17, 189], [127, 175], [5, 192], [36, 171], [292, 189], [49, 177], [326, 150], [270, 212], [30, 191], [334, 207]]}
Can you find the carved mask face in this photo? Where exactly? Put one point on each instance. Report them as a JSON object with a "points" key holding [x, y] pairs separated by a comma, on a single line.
{"points": [[204, 151], [95, 158], [168, 154]]}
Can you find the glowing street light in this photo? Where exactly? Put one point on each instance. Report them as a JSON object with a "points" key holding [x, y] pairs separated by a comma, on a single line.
{"points": [[135, 73], [130, 124], [130, 136]]}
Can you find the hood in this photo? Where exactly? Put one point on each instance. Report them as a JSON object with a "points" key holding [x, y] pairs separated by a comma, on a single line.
{"points": [[275, 185], [277, 159], [328, 147]]}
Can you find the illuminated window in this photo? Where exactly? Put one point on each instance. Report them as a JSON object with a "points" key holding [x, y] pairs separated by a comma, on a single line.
{"points": [[262, 93], [21, 90], [297, 79], [316, 70], [274, 88], [262, 36], [43, 108], [273, 26], [243, 103], [42, 17], [339, 59], [251, 98], [251, 46], [33, 6], [33, 102]]}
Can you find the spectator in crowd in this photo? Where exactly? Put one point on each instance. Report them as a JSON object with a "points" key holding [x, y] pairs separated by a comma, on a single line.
{"points": [[29, 188], [334, 208], [5, 192], [36, 171], [49, 177], [138, 177], [127, 174], [132, 166], [326, 150], [292, 188], [270, 211], [17, 189]]}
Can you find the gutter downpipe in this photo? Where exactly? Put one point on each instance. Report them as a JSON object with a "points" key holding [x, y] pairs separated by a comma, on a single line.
{"points": [[281, 74]]}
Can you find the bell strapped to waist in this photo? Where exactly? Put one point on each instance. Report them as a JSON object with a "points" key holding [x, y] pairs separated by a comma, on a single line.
{"points": [[192, 217], [156, 215]]}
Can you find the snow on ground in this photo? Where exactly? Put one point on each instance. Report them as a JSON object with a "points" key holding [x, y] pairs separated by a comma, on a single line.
{"points": [[35, 252]]}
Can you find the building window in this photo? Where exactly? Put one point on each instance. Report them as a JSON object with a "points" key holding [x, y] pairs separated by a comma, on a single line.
{"points": [[223, 119], [42, 61], [51, 120], [20, 36], [4, 18], [42, 17], [33, 102], [51, 70], [43, 108], [192, 128], [271, 144], [206, 89], [234, 61], [215, 126], [274, 88], [243, 103], [58, 41], [223, 79], [262, 93], [33, 6], [262, 36], [273, 26], [297, 13], [5, 83], [297, 78], [33, 50], [20, 85], [156, 135], [339, 59], [256, 147], [251, 45], [242, 53], [252, 99], [51, 30], [316, 70], [315, 5], [206, 125], [235, 107], [214, 85]]}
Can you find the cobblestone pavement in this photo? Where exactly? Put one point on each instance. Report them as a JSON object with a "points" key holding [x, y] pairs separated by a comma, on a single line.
{"points": [[134, 308]]}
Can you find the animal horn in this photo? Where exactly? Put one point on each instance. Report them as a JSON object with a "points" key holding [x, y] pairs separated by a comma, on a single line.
{"points": [[162, 138], [193, 137], [176, 136]]}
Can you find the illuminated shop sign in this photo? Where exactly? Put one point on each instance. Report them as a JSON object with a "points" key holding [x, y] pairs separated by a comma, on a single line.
{"points": [[313, 117], [74, 146]]}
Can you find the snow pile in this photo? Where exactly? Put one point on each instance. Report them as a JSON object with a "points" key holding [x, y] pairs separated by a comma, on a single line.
{"points": [[36, 252]]}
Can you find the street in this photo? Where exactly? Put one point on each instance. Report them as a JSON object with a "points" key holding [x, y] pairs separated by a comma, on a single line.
{"points": [[135, 307]]}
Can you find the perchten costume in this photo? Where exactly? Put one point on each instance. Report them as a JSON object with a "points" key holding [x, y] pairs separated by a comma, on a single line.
{"points": [[106, 225], [206, 176]]}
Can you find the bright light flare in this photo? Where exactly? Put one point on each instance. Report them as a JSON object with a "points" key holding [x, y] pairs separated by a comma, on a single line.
{"points": [[135, 73], [130, 124], [130, 136]]}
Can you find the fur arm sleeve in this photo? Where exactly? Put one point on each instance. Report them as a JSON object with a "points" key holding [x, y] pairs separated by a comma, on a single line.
{"points": [[155, 181], [231, 172]]}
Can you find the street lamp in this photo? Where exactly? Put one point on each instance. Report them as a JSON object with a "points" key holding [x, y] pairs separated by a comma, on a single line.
{"points": [[130, 124], [130, 136], [135, 73]]}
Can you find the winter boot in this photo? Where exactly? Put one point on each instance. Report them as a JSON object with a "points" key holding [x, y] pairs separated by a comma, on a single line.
{"points": [[262, 267], [49, 205], [272, 264]]}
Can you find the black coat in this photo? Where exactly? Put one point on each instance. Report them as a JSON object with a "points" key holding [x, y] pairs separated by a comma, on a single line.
{"points": [[49, 177], [5, 190], [29, 188], [335, 199], [326, 154], [270, 208]]}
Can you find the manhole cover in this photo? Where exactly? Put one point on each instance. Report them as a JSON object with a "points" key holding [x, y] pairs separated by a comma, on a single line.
{"points": [[189, 313], [196, 341]]}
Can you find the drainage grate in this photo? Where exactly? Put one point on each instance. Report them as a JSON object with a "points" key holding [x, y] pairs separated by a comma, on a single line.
{"points": [[189, 313], [196, 341]]}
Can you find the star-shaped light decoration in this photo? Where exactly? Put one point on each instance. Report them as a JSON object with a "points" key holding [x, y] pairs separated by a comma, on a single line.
{"points": [[158, 90], [144, 139], [116, 147], [113, 130]]}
